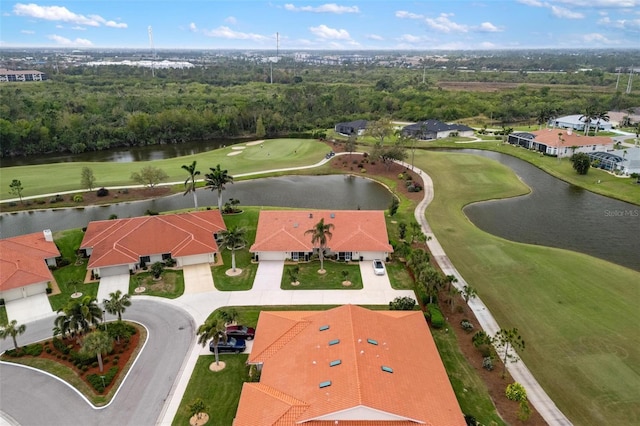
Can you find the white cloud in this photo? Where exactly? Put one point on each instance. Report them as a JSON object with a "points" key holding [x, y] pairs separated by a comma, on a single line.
{"points": [[561, 12], [78, 28], [60, 13], [27, 32], [534, 3], [403, 14], [597, 38], [488, 27], [325, 8], [374, 37], [226, 32], [443, 24], [192, 27], [623, 24], [63, 41], [487, 45], [409, 38], [601, 3], [325, 32], [231, 20]]}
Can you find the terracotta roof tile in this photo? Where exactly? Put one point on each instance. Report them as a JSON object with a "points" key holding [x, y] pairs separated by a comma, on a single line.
{"points": [[23, 260], [569, 138], [123, 241], [354, 230], [415, 388]]}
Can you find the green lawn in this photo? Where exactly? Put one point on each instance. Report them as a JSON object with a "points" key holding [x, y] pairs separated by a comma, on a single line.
{"points": [[332, 279], [578, 314], [220, 391], [275, 153], [171, 286]]}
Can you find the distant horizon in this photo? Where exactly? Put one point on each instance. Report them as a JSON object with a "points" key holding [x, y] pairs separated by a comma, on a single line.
{"points": [[353, 25]]}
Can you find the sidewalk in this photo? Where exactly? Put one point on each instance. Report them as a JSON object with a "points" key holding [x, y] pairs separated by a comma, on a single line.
{"points": [[519, 371]]}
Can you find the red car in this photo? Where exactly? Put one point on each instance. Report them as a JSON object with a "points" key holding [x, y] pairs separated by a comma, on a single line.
{"points": [[240, 332]]}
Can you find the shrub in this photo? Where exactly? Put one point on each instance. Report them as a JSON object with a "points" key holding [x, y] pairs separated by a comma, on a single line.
{"points": [[466, 325], [437, 319], [60, 346], [516, 392], [78, 198], [402, 304], [94, 364], [33, 350], [470, 420], [102, 192], [47, 350], [487, 363]]}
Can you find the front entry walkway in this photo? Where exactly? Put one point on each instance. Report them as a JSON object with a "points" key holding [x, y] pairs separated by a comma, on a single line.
{"points": [[198, 278], [111, 285], [269, 275], [29, 308]]}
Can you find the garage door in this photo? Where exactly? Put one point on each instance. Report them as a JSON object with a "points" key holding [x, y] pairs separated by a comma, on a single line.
{"points": [[271, 255], [114, 270], [194, 260]]}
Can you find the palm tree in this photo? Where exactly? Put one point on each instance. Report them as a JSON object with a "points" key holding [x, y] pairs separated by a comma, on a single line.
{"points": [[233, 239], [190, 182], [117, 303], [212, 329], [450, 279], [78, 317], [320, 233], [216, 180], [12, 329], [469, 293], [587, 117], [601, 115], [98, 342]]}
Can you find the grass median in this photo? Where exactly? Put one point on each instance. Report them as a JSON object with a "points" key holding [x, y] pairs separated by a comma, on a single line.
{"points": [[575, 312]]}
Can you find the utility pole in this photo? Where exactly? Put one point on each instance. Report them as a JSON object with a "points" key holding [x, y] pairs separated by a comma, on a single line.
{"points": [[630, 80]]}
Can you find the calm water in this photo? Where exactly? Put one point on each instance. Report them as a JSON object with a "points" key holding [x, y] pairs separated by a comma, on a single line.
{"points": [[316, 192], [558, 214]]}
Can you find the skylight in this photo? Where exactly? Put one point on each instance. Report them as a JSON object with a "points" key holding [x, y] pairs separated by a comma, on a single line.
{"points": [[334, 342], [335, 362], [325, 384], [373, 342], [324, 327], [387, 369]]}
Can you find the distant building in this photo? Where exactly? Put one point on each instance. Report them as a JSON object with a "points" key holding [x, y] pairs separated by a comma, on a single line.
{"points": [[559, 142], [21, 75], [434, 129], [357, 128], [627, 161], [577, 122]]}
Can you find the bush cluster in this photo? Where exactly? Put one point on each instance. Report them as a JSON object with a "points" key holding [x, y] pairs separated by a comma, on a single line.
{"points": [[96, 380], [60, 346], [437, 319], [466, 325]]}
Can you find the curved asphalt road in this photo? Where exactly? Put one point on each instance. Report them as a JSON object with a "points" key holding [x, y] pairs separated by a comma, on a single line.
{"points": [[33, 398]]}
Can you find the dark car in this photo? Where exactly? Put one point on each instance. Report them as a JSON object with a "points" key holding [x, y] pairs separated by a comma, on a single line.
{"points": [[240, 332], [231, 345]]}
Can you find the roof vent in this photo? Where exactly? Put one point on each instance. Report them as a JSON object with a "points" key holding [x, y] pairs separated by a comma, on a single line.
{"points": [[373, 342], [310, 215], [334, 342], [332, 215], [325, 384], [48, 236], [387, 369], [324, 327], [295, 225], [335, 362]]}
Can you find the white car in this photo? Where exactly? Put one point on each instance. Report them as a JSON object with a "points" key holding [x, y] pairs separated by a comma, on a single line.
{"points": [[378, 267]]}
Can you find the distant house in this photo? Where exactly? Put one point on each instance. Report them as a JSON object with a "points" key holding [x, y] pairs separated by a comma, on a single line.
{"points": [[347, 366], [21, 75], [562, 143], [357, 128], [626, 161], [118, 246], [434, 129], [357, 235], [577, 122], [24, 265]]}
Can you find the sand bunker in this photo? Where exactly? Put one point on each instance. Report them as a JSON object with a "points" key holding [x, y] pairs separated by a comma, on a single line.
{"points": [[238, 147], [234, 153], [254, 143]]}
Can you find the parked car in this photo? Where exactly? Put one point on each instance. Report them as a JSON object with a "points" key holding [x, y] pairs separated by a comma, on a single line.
{"points": [[240, 331], [329, 155], [230, 345], [378, 267]]}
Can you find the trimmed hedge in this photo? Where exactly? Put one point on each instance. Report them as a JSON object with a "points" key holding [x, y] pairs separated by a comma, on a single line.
{"points": [[60, 346], [436, 317], [96, 380]]}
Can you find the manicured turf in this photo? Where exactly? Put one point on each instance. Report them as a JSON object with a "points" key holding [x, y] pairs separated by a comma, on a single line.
{"points": [[171, 286], [578, 314], [310, 279], [59, 177]]}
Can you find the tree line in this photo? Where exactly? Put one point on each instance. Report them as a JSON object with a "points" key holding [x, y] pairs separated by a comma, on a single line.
{"points": [[102, 109]]}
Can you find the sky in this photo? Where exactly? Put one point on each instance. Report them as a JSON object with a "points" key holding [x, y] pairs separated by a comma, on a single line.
{"points": [[313, 25]]}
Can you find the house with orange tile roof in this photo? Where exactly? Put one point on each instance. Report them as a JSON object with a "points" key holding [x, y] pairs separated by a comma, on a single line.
{"points": [[118, 246], [24, 265], [560, 142], [347, 366], [356, 235]]}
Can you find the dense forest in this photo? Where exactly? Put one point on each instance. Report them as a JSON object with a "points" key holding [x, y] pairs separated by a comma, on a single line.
{"points": [[95, 108]]}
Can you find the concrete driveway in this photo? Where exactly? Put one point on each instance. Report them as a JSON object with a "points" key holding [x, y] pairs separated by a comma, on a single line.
{"points": [[197, 278], [269, 275], [111, 285], [30, 308]]}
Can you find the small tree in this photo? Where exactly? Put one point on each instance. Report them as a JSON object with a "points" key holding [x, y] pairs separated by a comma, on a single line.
{"points": [[117, 303], [320, 234], [402, 304], [213, 329], [157, 269], [468, 293], [260, 130], [507, 340], [229, 316], [87, 179], [402, 230], [350, 145], [196, 408], [149, 176], [345, 275], [580, 162], [516, 392], [12, 329], [416, 231], [99, 343], [293, 273], [15, 188], [393, 208], [233, 239]]}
